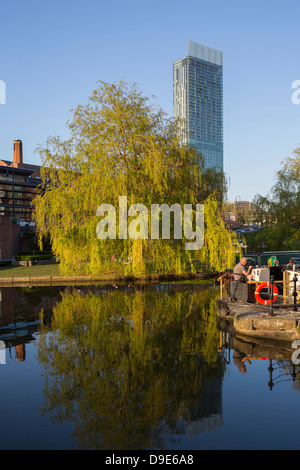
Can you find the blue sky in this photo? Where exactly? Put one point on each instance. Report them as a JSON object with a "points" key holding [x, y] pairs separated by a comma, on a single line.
{"points": [[53, 53]]}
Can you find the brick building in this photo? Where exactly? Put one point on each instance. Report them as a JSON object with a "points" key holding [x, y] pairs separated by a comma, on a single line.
{"points": [[18, 187]]}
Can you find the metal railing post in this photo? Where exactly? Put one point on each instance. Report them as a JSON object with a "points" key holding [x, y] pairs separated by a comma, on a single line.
{"points": [[271, 303], [295, 293]]}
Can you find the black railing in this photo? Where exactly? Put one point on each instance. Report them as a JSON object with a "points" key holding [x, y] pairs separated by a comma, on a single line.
{"points": [[226, 280]]}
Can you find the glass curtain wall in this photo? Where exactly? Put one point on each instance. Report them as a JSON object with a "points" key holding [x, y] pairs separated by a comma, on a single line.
{"points": [[198, 101]]}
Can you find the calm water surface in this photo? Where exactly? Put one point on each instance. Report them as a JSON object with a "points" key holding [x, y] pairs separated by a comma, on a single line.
{"points": [[138, 367]]}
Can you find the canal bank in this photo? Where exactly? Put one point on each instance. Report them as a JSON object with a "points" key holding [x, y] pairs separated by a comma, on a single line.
{"points": [[255, 321], [283, 325], [18, 281]]}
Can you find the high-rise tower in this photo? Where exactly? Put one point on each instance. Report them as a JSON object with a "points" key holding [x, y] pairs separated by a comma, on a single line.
{"points": [[198, 101]]}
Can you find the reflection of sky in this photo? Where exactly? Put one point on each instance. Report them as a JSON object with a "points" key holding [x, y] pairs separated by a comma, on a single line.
{"points": [[22, 425]]}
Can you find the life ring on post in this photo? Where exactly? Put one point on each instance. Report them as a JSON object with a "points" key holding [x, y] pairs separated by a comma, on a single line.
{"points": [[260, 287]]}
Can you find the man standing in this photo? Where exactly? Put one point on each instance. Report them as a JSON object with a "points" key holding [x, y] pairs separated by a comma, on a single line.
{"points": [[240, 272]]}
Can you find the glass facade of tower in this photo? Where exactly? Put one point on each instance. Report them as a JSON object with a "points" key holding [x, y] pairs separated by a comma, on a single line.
{"points": [[198, 101]]}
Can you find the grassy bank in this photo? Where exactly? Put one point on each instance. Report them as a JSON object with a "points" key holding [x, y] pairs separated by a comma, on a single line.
{"points": [[30, 271]]}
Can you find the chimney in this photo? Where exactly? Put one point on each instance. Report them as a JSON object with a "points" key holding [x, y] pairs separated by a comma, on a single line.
{"points": [[18, 153]]}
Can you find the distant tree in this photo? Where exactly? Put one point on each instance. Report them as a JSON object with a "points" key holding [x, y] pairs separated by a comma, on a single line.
{"points": [[120, 145], [279, 210]]}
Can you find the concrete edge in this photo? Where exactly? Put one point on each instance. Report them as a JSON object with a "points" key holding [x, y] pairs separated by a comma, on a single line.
{"points": [[56, 280]]}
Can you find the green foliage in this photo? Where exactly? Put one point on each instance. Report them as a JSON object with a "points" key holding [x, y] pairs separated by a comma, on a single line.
{"points": [[279, 211], [120, 145]]}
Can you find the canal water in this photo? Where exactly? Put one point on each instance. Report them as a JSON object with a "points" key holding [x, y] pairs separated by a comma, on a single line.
{"points": [[138, 367]]}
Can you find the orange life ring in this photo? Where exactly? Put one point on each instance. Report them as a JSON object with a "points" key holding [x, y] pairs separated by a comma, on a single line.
{"points": [[260, 287]]}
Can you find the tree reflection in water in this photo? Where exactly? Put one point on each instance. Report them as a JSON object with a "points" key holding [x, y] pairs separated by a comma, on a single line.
{"points": [[129, 368]]}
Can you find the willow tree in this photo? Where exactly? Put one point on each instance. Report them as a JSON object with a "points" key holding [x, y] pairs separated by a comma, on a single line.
{"points": [[121, 145]]}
